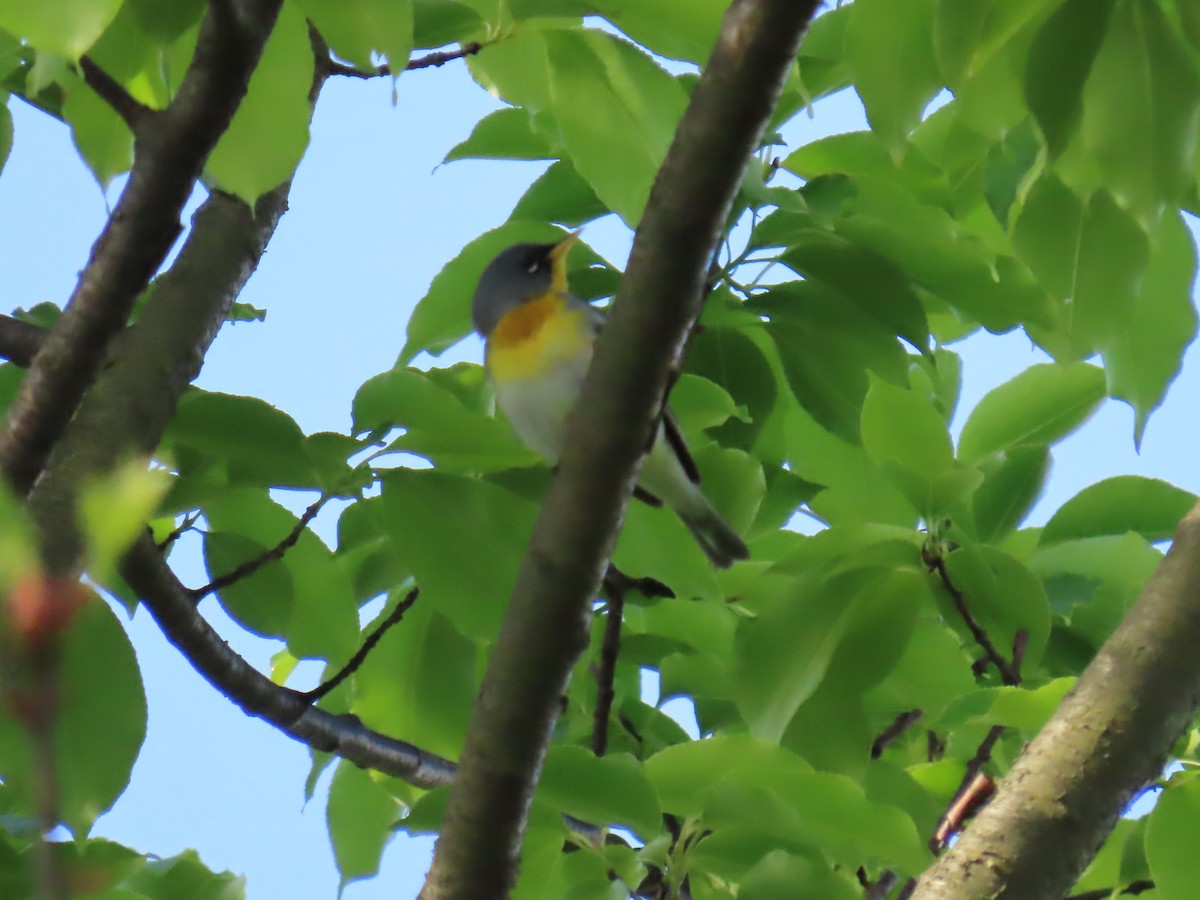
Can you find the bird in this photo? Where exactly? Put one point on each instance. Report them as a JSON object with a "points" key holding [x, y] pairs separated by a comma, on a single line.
{"points": [[538, 340]]}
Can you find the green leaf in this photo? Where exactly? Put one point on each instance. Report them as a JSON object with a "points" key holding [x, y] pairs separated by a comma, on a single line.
{"points": [[933, 671], [782, 876], [257, 443], [944, 258], [1146, 355], [1040, 406], [889, 50], [504, 134], [420, 681], [817, 809], [1004, 596], [865, 278], [902, 425], [1113, 254], [268, 135], [324, 621], [114, 512], [1046, 233], [443, 316], [437, 426], [1009, 491], [357, 29], [968, 32], [360, 816], [783, 654], [184, 876], [825, 375], [441, 520], [1141, 109], [99, 726], [737, 362], [616, 109], [102, 139], [1022, 708], [1150, 507], [560, 195], [262, 602], [699, 403], [1060, 60], [1169, 850], [684, 774], [440, 22], [63, 27], [678, 31], [166, 20], [856, 490], [600, 789], [863, 153], [515, 69], [6, 133]]}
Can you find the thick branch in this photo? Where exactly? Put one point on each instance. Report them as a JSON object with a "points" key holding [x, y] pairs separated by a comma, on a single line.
{"points": [[152, 361], [1110, 736], [19, 341], [545, 625], [290, 711], [139, 233]]}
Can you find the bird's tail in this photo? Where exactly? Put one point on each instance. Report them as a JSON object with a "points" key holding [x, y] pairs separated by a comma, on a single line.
{"points": [[714, 535]]}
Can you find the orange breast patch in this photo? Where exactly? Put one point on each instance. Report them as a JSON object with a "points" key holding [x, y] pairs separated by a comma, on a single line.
{"points": [[524, 322]]}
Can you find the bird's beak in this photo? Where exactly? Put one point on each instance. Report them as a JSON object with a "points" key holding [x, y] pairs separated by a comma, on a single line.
{"points": [[559, 250], [558, 259]]}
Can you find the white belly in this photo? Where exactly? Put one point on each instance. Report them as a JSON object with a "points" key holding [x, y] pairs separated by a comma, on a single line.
{"points": [[537, 406]]}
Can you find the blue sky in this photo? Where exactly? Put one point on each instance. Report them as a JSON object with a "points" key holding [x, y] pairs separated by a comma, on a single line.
{"points": [[373, 218]]}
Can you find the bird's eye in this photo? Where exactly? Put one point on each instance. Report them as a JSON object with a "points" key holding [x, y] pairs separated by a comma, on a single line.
{"points": [[533, 266]]}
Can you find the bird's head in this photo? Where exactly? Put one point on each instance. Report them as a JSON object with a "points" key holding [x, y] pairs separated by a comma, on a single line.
{"points": [[519, 275]]}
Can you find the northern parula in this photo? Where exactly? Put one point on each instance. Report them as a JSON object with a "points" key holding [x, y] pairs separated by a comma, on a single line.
{"points": [[539, 339]]}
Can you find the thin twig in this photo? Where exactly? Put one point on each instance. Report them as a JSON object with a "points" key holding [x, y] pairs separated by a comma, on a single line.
{"points": [[969, 792], [901, 724], [131, 110], [616, 586], [250, 566], [435, 59], [1132, 889], [606, 670], [1009, 673], [977, 787], [368, 645], [179, 531]]}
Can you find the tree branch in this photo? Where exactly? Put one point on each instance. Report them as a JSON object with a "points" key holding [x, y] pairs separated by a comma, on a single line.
{"points": [[606, 669], [138, 234], [900, 724], [1009, 673], [545, 624], [290, 711], [435, 59], [19, 341], [1110, 736], [133, 112]]}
